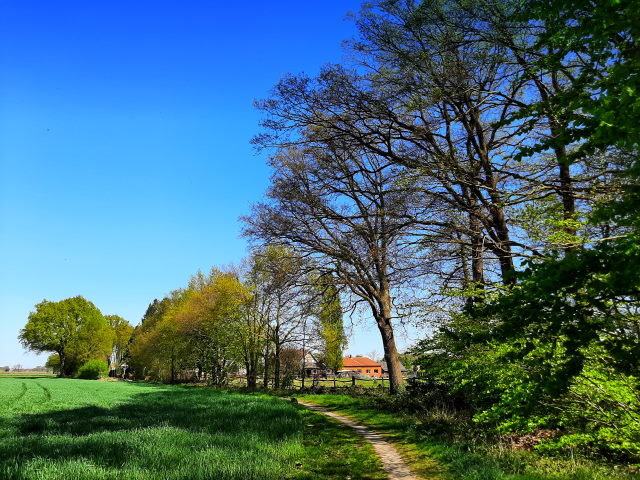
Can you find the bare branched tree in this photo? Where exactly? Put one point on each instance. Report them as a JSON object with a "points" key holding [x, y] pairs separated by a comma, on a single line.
{"points": [[350, 211]]}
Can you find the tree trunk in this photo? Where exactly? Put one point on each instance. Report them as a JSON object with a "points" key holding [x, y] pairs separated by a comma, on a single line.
{"points": [[63, 359], [251, 374], [266, 368], [276, 365], [396, 382]]}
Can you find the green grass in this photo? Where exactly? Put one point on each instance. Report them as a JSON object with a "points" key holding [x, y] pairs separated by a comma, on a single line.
{"points": [[67, 429], [420, 440]]}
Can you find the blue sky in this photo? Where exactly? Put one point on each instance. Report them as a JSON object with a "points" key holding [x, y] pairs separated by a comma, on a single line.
{"points": [[124, 143]]}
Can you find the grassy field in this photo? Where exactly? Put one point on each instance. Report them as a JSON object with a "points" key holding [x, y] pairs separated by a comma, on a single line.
{"points": [[66, 429], [426, 444], [26, 375]]}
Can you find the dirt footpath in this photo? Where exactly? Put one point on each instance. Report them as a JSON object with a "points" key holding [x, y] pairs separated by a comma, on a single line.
{"points": [[392, 462]]}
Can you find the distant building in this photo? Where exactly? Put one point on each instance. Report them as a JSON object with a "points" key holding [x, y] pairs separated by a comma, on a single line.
{"points": [[385, 369], [313, 367], [360, 366]]}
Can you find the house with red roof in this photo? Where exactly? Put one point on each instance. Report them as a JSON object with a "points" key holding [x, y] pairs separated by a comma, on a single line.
{"points": [[361, 366]]}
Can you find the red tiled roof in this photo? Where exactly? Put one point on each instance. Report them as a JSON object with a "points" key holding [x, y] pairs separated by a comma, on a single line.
{"points": [[350, 362]]}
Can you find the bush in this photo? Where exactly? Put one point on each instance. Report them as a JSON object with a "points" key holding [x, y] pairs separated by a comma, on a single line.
{"points": [[93, 369]]}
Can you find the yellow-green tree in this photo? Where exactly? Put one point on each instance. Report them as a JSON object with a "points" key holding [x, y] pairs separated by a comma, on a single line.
{"points": [[156, 348], [210, 323], [122, 331], [330, 324]]}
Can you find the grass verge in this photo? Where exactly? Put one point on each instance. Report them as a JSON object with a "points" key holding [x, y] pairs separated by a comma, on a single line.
{"points": [[435, 457]]}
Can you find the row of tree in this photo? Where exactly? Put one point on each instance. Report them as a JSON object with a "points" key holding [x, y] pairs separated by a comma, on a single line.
{"points": [[257, 320], [476, 165]]}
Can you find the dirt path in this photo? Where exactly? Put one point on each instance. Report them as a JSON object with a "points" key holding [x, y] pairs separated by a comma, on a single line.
{"points": [[392, 462]]}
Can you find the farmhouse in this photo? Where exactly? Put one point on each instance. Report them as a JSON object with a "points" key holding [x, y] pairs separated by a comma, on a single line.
{"points": [[313, 367], [385, 369], [362, 366]]}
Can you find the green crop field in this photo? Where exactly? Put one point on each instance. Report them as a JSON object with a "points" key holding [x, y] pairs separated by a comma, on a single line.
{"points": [[80, 429], [26, 375]]}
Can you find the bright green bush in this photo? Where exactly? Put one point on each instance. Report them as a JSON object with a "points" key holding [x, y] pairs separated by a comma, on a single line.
{"points": [[93, 369], [601, 412]]}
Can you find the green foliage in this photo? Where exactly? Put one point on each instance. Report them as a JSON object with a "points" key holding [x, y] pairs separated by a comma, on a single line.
{"points": [[53, 362], [441, 442], [601, 409], [73, 328], [194, 328], [122, 331], [601, 104], [559, 349], [545, 222], [93, 370]]}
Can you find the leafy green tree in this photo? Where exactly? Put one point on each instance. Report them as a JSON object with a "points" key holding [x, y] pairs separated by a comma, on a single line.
{"points": [[73, 328], [155, 347], [210, 323], [560, 347]]}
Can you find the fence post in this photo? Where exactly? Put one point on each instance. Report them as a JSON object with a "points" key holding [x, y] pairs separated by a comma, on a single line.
{"points": [[353, 381]]}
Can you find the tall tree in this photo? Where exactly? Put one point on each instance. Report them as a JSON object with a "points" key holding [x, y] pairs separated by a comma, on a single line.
{"points": [[155, 347], [330, 323], [209, 320], [73, 328], [122, 331], [345, 208], [280, 277]]}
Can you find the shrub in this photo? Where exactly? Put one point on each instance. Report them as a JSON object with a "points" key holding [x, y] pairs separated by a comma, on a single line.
{"points": [[93, 369]]}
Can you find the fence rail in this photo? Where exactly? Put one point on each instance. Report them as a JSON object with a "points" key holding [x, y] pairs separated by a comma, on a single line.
{"points": [[337, 383]]}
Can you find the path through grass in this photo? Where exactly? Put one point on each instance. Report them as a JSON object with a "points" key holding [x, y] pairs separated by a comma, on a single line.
{"points": [[461, 459], [74, 430]]}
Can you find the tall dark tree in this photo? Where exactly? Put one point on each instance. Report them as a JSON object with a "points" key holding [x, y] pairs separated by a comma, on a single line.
{"points": [[349, 210]]}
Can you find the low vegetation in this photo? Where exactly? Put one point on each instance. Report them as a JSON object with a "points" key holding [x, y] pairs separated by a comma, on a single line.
{"points": [[67, 429], [93, 370], [441, 443]]}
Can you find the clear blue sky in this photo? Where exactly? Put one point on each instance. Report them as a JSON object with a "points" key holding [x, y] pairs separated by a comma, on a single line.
{"points": [[124, 143]]}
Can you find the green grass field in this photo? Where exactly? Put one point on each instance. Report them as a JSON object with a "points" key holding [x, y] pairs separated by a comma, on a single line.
{"points": [[67, 429]]}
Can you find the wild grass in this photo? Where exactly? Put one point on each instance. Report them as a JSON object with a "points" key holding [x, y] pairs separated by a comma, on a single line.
{"points": [[461, 449], [66, 429]]}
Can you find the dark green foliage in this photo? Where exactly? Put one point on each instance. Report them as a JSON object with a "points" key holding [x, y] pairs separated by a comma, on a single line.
{"points": [[93, 370], [601, 104]]}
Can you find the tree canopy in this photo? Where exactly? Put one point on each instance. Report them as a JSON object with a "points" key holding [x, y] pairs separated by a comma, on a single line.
{"points": [[73, 328]]}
